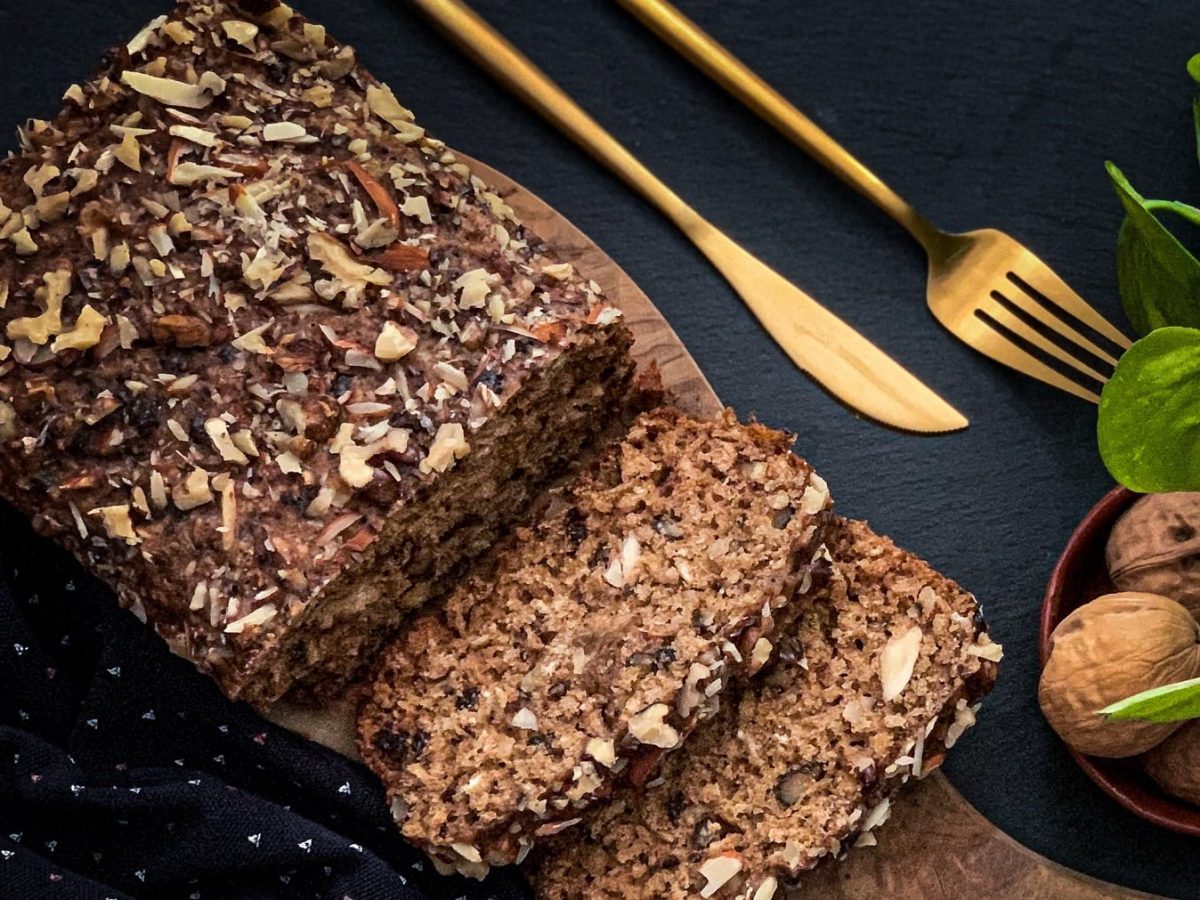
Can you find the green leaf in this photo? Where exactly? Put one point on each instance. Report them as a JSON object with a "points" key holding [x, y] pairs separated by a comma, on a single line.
{"points": [[1169, 703], [1196, 121], [1193, 67], [1149, 421], [1158, 278]]}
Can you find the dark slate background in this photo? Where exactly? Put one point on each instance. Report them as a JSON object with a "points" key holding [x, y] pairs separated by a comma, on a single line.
{"points": [[984, 114]]}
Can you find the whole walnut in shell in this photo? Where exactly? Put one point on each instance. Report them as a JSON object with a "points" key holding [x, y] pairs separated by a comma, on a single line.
{"points": [[1115, 646], [1155, 548], [1175, 763]]}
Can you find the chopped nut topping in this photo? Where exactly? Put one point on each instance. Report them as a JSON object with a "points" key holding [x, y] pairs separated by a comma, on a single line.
{"points": [[987, 649], [85, 333], [467, 852], [141, 40], [418, 208], [816, 495], [382, 102], [602, 750], [176, 93], [449, 445], [897, 661], [239, 32], [51, 208], [475, 286], [218, 433], [260, 616], [760, 654], [649, 727], [394, 342], [287, 132], [37, 177], [253, 342], [117, 523], [24, 242], [717, 871], [559, 271], [188, 173], [194, 134], [193, 491], [351, 276], [319, 95], [39, 329]]}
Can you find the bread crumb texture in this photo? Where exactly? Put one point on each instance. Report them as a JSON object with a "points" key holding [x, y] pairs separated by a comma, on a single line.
{"points": [[606, 632], [802, 763]]}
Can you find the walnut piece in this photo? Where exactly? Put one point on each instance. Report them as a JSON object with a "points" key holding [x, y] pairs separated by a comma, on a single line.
{"points": [[1154, 548], [1110, 649]]}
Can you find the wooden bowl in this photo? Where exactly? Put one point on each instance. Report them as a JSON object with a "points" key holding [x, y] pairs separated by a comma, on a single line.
{"points": [[1079, 576]]}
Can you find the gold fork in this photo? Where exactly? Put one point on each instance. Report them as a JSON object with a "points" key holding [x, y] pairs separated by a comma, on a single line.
{"points": [[984, 286]]}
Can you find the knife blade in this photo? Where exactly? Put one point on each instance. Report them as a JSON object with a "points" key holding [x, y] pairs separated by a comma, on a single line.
{"points": [[844, 362]]}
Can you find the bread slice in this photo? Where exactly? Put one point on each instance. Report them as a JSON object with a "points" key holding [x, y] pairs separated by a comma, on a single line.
{"points": [[874, 683], [605, 633], [274, 362]]}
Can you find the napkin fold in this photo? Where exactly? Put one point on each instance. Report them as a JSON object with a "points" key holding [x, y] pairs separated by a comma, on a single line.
{"points": [[126, 773]]}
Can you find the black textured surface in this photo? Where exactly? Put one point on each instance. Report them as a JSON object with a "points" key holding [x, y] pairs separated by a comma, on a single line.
{"points": [[984, 114]]}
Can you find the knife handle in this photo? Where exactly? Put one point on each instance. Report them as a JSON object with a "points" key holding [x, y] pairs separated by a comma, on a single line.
{"points": [[509, 66], [732, 74]]}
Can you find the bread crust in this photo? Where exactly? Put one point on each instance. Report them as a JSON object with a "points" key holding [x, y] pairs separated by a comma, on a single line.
{"points": [[251, 312]]}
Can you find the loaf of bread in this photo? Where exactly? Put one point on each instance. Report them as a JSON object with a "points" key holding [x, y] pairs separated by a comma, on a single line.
{"points": [[877, 679], [605, 633], [274, 363]]}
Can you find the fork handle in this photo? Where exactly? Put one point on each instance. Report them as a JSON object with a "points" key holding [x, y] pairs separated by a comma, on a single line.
{"points": [[732, 74], [509, 66]]}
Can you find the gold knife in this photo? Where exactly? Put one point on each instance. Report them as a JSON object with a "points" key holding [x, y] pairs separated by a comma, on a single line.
{"points": [[844, 362]]}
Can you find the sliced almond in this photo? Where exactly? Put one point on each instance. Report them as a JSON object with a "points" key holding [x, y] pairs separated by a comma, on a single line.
{"points": [[175, 93], [897, 660], [287, 132], [240, 32], [194, 134], [383, 103], [717, 871], [260, 616]]}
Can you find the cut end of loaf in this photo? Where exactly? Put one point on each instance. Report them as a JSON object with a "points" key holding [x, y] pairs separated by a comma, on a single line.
{"points": [[801, 764], [607, 631]]}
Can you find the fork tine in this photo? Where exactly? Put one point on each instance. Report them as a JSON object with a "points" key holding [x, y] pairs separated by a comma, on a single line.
{"points": [[1048, 317], [1017, 326], [1045, 281], [990, 340]]}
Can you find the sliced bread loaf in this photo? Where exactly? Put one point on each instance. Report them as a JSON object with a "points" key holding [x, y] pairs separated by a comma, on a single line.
{"points": [[605, 633], [871, 686]]}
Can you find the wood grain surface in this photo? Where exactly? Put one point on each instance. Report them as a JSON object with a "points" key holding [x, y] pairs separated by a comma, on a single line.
{"points": [[936, 845]]}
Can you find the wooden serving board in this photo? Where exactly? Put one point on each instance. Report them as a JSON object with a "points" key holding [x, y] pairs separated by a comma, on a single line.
{"points": [[936, 845]]}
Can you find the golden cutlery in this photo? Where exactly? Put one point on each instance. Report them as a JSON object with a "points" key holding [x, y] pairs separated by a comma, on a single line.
{"points": [[839, 358], [989, 290]]}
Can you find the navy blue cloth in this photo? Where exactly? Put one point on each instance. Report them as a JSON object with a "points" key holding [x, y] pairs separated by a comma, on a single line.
{"points": [[125, 773]]}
